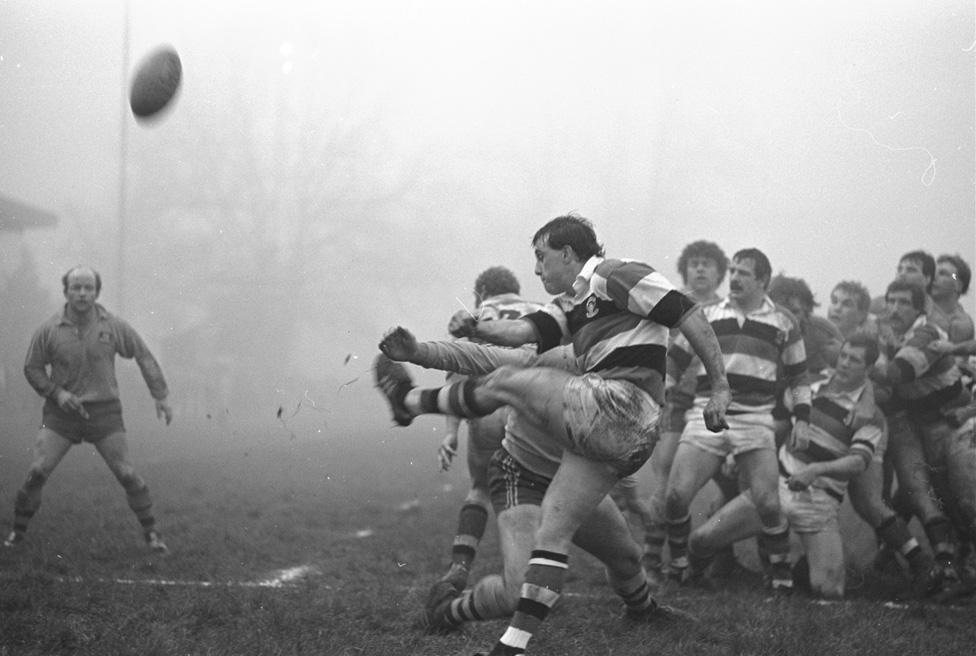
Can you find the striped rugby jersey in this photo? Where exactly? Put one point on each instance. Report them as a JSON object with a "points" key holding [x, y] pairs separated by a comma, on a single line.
{"points": [[758, 349], [618, 320], [505, 306], [930, 379], [841, 424]]}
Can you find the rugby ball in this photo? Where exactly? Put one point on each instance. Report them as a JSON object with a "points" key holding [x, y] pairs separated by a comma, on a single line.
{"points": [[155, 82]]}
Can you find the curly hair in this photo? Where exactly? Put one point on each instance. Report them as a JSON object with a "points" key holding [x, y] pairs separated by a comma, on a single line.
{"points": [[703, 249], [962, 270], [494, 281], [857, 291], [782, 288]]}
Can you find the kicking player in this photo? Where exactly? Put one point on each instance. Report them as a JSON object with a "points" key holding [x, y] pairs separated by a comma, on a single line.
{"points": [[845, 428], [617, 315], [761, 344], [496, 296]]}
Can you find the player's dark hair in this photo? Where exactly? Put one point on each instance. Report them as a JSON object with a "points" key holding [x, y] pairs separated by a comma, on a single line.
{"points": [[494, 281], [98, 278], [782, 288], [860, 294], [962, 270], [703, 249], [916, 290], [924, 260], [760, 263], [570, 230], [869, 343]]}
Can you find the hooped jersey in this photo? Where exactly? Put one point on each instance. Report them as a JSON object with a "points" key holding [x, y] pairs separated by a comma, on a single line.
{"points": [[841, 423], [618, 320]]}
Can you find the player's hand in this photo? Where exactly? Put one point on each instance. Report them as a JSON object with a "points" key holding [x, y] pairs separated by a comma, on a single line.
{"points": [[941, 346], [800, 437], [801, 480], [715, 409], [447, 451], [164, 411], [399, 344], [71, 403], [462, 324], [959, 416]]}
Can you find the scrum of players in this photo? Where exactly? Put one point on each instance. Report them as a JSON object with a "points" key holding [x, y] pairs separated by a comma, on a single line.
{"points": [[873, 402]]}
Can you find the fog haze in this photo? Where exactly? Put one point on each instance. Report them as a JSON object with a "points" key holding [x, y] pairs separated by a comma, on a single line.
{"points": [[331, 169]]}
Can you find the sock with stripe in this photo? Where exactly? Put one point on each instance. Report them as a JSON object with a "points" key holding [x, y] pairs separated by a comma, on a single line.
{"points": [[456, 399], [775, 543], [543, 583], [472, 520], [678, 531]]}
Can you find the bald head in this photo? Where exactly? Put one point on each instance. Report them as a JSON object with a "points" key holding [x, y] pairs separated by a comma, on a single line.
{"points": [[81, 272]]}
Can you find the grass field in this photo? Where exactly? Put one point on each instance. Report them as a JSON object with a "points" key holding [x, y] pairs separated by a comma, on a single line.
{"points": [[369, 521]]}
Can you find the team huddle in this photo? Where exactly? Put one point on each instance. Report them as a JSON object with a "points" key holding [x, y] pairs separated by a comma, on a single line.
{"points": [[787, 412]]}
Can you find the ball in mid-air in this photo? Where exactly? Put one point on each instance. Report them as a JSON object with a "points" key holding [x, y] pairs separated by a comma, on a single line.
{"points": [[155, 82]]}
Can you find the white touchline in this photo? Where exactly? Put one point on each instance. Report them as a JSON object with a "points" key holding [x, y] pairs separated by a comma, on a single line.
{"points": [[280, 579]]}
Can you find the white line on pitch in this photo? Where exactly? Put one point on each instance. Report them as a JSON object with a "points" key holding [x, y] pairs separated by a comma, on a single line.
{"points": [[281, 579]]}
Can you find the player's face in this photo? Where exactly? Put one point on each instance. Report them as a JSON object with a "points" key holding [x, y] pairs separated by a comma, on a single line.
{"points": [[843, 311], [744, 286], [81, 292], [946, 281], [554, 267], [795, 305], [901, 313], [911, 271], [852, 368], [701, 275]]}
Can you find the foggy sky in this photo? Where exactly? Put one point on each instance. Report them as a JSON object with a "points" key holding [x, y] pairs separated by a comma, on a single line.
{"points": [[834, 137]]}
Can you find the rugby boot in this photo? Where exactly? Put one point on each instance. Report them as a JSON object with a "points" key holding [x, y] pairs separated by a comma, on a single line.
{"points": [[457, 576], [155, 542], [394, 382], [436, 619]]}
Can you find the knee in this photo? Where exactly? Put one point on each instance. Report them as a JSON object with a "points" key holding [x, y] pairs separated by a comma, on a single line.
{"points": [[828, 584], [675, 505], [36, 478], [128, 478], [700, 542]]}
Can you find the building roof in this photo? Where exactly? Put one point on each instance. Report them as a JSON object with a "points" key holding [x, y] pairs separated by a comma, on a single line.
{"points": [[16, 215]]}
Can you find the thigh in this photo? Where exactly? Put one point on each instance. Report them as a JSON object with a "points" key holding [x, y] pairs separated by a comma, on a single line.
{"points": [[517, 528], [575, 492], [606, 536], [908, 458], [484, 438], [865, 491], [691, 469], [114, 449], [49, 448], [736, 520], [825, 553]]}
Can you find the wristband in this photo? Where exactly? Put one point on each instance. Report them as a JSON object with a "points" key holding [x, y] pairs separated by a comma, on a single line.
{"points": [[802, 413]]}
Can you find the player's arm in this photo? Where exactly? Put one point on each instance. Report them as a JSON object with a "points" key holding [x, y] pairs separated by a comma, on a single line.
{"points": [[35, 367], [910, 362], [842, 469], [695, 328], [132, 346], [503, 332], [967, 347]]}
